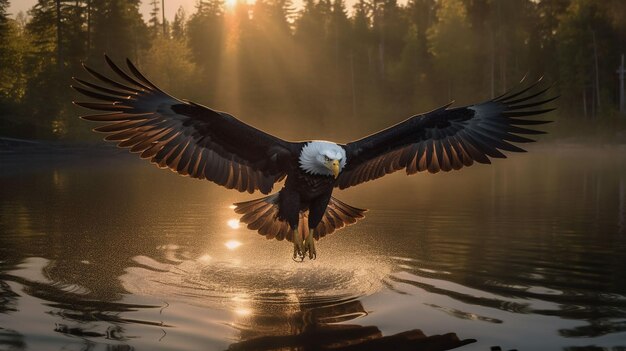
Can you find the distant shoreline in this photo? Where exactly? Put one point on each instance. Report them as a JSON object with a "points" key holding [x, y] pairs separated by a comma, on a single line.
{"points": [[16, 146], [22, 147]]}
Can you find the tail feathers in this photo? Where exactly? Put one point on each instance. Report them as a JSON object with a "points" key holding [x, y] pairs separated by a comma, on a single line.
{"points": [[262, 215], [338, 215]]}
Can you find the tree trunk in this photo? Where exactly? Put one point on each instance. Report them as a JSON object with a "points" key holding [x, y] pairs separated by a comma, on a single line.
{"points": [[622, 99], [584, 102], [353, 85], [88, 51], [622, 206], [493, 64], [163, 12], [595, 54], [502, 50], [59, 36]]}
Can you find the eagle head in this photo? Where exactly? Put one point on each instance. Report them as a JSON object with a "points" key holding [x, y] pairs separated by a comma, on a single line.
{"points": [[322, 158]]}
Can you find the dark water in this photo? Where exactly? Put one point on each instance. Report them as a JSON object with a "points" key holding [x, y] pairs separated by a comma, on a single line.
{"points": [[109, 253]]}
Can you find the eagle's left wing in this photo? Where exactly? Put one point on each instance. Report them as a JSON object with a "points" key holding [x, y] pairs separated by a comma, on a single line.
{"points": [[446, 139]]}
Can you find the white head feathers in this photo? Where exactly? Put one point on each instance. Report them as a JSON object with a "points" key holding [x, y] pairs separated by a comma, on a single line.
{"points": [[313, 157]]}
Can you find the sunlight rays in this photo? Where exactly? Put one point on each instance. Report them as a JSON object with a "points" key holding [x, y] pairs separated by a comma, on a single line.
{"points": [[230, 4]]}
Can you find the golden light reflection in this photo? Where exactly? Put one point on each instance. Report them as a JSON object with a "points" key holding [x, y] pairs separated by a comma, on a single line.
{"points": [[59, 180], [243, 311], [232, 207], [204, 258], [232, 244], [241, 302], [233, 223]]}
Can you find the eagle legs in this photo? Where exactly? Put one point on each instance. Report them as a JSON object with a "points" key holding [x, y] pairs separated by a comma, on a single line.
{"points": [[309, 245], [298, 246], [302, 247], [281, 216]]}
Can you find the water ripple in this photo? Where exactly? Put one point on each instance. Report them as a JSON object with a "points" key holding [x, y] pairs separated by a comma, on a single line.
{"points": [[536, 293], [231, 284]]}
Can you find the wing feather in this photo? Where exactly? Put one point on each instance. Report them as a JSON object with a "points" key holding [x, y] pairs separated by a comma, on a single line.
{"points": [[448, 139], [100, 88], [185, 137]]}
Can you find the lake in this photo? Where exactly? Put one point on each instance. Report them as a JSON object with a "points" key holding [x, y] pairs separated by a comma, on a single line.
{"points": [[106, 252]]}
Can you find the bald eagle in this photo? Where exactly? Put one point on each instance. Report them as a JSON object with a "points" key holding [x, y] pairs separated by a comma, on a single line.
{"points": [[200, 142]]}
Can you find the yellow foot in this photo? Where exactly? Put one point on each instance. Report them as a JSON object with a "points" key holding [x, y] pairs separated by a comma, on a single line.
{"points": [[298, 247], [309, 245]]}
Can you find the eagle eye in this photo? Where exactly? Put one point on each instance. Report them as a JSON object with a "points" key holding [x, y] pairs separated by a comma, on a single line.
{"points": [[326, 158]]}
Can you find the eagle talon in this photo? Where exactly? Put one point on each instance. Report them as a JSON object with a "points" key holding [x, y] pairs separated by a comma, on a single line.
{"points": [[298, 256], [309, 245], [298, 248]]}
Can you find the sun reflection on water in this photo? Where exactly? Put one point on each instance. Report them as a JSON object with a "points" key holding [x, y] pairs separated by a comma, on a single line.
{"points": [[233, 223], [232, 244], [243, 312]]}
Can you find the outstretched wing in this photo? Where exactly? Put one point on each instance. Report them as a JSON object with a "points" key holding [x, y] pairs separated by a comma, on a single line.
{"points": [[446, 139], [186, 137]]}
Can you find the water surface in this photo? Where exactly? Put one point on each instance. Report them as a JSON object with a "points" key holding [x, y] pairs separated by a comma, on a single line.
{"points": [[108, 253]]}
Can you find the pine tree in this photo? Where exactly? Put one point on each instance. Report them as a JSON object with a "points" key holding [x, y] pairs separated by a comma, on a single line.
{"points": [[178, 26], [13, 76], [339, 54], [548, 13], [267, 49], [44, 96], [205, 31], [390, 28], [205, 34], [361, 60], [416, 58], [4, 17], [452, 44], [4, 28], [118, 30], [154, 23], [315, 57], [12, 48], [586, 56]]}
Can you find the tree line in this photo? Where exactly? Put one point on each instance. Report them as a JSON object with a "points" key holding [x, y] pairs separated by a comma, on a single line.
{"points": [[324, 68]]}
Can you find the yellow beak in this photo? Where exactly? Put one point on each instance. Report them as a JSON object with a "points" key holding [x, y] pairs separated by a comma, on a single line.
{"points": [[334, 166]]}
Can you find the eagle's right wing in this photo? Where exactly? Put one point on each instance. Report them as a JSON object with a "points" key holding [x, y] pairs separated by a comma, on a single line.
{"points": [[186, 137]]}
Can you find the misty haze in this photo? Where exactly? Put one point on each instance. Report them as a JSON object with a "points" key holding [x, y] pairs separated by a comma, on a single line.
{"points": [[101, 250]]}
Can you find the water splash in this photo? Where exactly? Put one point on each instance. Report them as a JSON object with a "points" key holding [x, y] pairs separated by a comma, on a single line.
{"points": [[235, 283]]}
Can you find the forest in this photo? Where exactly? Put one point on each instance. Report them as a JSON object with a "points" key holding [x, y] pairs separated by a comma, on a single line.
{"points": [[320, 69]]}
